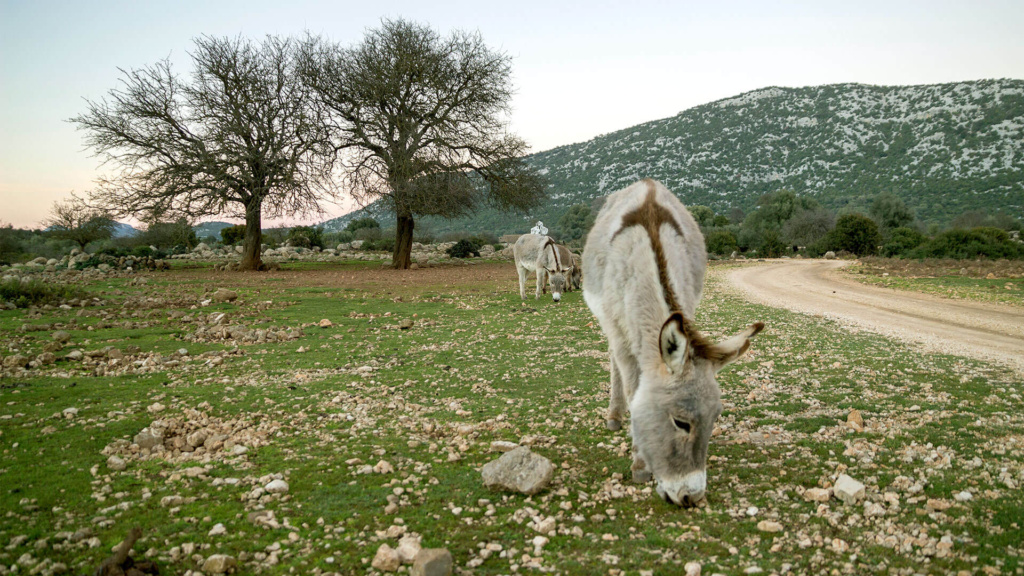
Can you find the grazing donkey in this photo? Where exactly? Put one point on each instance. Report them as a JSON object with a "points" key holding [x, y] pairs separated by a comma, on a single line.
{"points": [[645, 262], [567, 261], [576, 278], [539, 254]]}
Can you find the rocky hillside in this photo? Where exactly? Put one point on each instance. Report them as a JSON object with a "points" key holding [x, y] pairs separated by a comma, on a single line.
{"points": [[943, 148]]}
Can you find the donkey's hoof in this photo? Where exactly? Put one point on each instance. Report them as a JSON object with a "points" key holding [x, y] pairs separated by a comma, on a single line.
{"points": [[613, 425], [642, 476]]}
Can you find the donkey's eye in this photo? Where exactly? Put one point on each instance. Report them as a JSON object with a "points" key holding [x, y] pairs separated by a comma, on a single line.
{"points": [[684, 426]]}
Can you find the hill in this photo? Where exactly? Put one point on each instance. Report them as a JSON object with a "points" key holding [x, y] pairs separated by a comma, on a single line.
{"points": [[943, 148], [210, 228]]}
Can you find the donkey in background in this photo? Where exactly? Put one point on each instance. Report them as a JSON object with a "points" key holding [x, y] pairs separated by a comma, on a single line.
{"points": [[539, 254], [645, 261]]}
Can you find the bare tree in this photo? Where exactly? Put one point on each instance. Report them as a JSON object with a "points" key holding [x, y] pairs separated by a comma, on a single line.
{"points": [[238, 137], [73, 219], [420, 122]]}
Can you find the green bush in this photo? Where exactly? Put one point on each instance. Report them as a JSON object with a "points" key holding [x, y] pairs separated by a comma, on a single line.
{"points": [[901, 241], [306, 237], [854, 233], [360, 223], [983, 242], [722, 242], [232, 234], [464, 249], [36, 292], [381, 244]]}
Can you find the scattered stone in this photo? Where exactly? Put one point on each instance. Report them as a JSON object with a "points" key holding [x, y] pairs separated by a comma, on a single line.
{"points": [[62, 336], [386, 559], [408, 547], [855, 421], [75, 355], [817, 494], [405, 324], [70, 413], [116, 464], [149, 438], [224, 295], [155, 408], [325, 323], [432, 562], [277, 487], [519, 470], [692, 568], [503, 446], [218, 530], [769, 526], [963, 496], [830, 255], [219, 564], [383, 467], [848, 490]]}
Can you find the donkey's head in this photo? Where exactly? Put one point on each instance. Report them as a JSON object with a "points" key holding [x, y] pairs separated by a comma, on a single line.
{"points": [[557, 284], [675, 408]]}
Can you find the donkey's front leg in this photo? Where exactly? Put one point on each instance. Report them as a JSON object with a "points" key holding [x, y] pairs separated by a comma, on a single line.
{"points": [[541, 278], [617, 402]]}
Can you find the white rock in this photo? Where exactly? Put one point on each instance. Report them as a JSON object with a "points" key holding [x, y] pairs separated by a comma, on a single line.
{"points": [[277, 487], [218, 530], [769, 526], [963, 496], [156, 407], [848, 490], [692, 568], [116, 464]]}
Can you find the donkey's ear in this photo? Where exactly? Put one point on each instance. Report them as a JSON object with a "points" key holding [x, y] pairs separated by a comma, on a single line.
{"points": [[729, 350], [674, 343]]}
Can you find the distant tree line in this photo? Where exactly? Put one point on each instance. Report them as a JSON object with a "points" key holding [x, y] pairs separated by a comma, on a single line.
{"points": [[785, 224]]}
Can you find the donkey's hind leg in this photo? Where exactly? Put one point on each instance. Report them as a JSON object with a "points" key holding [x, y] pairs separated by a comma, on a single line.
{"points": [[523, 273]]}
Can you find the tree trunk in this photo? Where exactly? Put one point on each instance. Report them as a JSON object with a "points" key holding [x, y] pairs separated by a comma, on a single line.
{"points": [[402, 257], [251, 259]]}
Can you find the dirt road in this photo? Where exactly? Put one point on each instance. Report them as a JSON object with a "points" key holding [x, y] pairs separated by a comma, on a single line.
{"points": [[980, 330]]}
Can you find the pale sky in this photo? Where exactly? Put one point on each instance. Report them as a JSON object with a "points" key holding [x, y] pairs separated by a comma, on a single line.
{"points": [[580, 68]]}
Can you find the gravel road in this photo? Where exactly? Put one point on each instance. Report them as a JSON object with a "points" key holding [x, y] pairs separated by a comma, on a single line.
{"points": [[980, 330]]}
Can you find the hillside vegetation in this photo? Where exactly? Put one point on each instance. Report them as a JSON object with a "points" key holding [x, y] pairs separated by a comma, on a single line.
{"points": [[943, 149]]}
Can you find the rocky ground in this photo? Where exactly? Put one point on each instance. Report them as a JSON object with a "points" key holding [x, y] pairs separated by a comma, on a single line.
{"points": [[338, 418]]}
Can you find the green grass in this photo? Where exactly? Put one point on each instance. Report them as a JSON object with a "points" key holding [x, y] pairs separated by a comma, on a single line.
{"points": [[1000, 290], [478, 356]]}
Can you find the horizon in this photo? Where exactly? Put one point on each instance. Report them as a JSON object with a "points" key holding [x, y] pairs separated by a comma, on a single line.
{"points": [[572, 84]]}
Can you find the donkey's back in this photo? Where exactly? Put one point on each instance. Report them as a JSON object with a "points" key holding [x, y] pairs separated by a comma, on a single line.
{"points": [[624, 284]]}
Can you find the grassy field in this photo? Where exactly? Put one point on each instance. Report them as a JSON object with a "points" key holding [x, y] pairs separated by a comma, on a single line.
{"points": [[1005, 286], [381, 431]]}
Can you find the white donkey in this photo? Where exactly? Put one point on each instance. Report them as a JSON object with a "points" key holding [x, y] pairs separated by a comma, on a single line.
{"points": [[645, 262], [539, 254]]}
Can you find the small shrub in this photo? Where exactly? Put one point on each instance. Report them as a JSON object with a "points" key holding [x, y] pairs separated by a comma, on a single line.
{"points": [[36, 292], [381, 244], [464, 249]]}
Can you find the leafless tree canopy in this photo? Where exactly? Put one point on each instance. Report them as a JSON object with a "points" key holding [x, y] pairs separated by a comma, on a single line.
{"points": [[237, 137], [73, 219], [420, 121]]}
